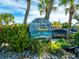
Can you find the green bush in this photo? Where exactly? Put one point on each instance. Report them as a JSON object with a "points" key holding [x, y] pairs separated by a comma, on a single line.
{"points": [[38, 46], [64, 43], [56, 46], [76, 38], [16, 36]]}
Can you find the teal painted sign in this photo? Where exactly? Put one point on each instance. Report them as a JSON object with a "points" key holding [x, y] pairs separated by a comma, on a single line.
{"points": [[40, 28]]}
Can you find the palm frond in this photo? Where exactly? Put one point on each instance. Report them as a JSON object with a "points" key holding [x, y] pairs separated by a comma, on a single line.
{"points": [[44, 5], [54, 8], [63, 2], [6, 17], [77, 6], [66, 10], [76, 16], [41, 6]]}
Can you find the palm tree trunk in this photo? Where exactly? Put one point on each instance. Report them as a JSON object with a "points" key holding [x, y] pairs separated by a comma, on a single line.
{"points": [[48, 9], [70, 19], [71, 12], [27, 11], [47, 14]]}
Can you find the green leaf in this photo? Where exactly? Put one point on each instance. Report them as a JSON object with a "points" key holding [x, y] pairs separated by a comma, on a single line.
{"points": [[66, 10]]}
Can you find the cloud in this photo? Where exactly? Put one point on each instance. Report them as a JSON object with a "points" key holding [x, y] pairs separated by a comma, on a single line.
{"points": [[18, 10], [11, 3], [19, 19]]}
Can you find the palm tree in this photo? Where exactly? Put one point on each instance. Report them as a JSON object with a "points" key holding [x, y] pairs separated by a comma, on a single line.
{"points": [[6, 17], [27, 11], [76, 16], [72, 8], [46, 6]]}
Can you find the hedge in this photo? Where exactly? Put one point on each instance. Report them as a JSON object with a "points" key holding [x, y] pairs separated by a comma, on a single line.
{"points": [[17, 36]]}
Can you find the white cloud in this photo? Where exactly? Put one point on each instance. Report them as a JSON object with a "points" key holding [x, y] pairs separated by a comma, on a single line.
{"points": [[19, 19], [58, 15], [11, 3]]}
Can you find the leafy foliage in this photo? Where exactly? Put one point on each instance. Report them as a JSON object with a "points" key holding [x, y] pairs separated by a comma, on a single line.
{"points": [[57, 24], [45, 5], [76, 37], [71, 9], [65, 25], [64, 43], [76, 16], [16, 35], [6, 17], [56, 46], [38, 46]]}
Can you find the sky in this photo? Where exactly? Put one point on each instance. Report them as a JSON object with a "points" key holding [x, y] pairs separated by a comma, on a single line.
{"points": [[18, 11]]}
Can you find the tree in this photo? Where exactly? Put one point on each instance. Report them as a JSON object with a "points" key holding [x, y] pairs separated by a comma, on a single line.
{"points": [[6, 17], [27, 11], [71, 10], [46, 6], [76, 16]]}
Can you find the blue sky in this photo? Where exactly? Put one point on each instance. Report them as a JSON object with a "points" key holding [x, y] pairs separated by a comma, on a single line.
{"points": [[18, 10]]}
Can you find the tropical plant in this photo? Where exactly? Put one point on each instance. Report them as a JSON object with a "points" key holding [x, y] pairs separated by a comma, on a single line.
{"points": [[65, 25], [16, 36], [57, 25], [64, 43], [56, 46], [27, 11], [76, 37], [46, 6], [72, 8], [6, 17], [76, 16], [28, 3], [38, 46]]}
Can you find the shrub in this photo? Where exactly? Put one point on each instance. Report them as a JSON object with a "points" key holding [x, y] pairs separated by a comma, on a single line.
{"points": [[38, 46], [16, 35], [65, 25], [64, 43], [18, 38], [76, 37], [56, 46]]}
